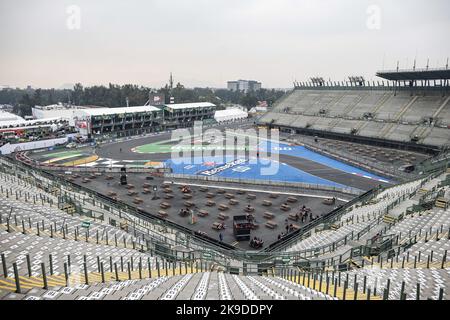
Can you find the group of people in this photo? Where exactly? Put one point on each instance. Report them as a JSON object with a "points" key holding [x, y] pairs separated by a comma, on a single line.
{"points": [[184, 212], [256, 243], [185, 189], [281, 235], [303, 214], [289, 228], [221, 226], [250, 217]]}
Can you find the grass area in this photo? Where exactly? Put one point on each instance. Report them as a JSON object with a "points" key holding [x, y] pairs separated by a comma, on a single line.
{"points": [[163, 147]]}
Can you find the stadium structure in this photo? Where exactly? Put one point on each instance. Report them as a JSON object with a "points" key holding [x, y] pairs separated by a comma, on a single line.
{"points": [[358, 209]]}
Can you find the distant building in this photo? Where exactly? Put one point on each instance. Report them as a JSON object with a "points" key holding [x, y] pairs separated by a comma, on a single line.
{"points": [[13, 127], [233, 85], [244, 85], [58, 111]]}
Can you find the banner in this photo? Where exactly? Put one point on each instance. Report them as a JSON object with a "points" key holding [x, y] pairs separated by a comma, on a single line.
{"points": [[157, 99], [81, 124]]}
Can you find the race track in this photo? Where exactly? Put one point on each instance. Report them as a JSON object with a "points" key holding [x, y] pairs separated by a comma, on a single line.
{"points": [[307, 161]]}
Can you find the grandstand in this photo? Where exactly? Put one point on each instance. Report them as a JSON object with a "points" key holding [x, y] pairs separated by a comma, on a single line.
{"points": [[385, 244], [410, 114], [375, 226]]}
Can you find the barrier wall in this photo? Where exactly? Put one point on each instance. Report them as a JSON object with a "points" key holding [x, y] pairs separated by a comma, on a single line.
{"points": [[10, 148], [259, 182]]}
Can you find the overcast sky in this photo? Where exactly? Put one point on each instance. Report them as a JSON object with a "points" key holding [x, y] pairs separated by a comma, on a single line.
{"points": [[207, 42]]}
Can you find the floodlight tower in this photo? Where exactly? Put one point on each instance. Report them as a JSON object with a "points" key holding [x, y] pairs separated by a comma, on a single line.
{"points": [[317, 81], [357, 80]]}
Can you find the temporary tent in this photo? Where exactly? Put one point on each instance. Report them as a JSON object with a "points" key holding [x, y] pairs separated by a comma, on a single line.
{"points": [[230, 115]]}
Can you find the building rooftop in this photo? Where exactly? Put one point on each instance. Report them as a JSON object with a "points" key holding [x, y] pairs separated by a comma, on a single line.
{"points": [[10, 117], [230, 112], [62, 107], [17, 124], [109, 111], [179, 106]]}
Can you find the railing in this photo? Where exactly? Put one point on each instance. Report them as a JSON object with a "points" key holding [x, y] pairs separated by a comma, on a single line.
{"points": [[199, 244], [204, 247], [260, 182], [436, 164], [294, 237], [368, 86], [390, 171]]}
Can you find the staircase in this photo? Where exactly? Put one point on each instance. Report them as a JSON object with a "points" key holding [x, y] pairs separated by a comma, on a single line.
{"points": [[67, 207], [350, 108], [334, 227], [381, 103], [335, 102], [436, 114], [389, 219], [397, 117], [346, 111], [441, 203], [425, 131], [405, 108]]}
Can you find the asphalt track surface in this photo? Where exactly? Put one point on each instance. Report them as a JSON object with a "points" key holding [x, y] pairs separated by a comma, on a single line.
{"points": [[123, 151]]}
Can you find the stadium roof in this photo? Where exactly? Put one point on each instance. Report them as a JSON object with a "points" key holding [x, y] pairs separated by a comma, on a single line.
{"points": [[63, 107], [109, 111], [418, 74], [179, 106]]}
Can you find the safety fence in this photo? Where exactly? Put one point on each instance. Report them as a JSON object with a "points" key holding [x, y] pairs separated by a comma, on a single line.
{"points": [[200, 247], [260, 182], [384, 170]]}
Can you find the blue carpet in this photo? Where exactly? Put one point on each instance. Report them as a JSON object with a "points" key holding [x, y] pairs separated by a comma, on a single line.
{"points": [[302, 152], [245, 170]]}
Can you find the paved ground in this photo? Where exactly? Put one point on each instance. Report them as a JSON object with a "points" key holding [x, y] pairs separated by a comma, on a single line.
{"points": [[100, 184], [328, 173], [384, 156], [123, 153]]}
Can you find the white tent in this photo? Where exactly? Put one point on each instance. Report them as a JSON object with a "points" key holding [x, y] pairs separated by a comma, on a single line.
{"points": [[230, 115]]}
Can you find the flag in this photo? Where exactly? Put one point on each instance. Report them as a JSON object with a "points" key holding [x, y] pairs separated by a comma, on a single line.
{"points": [[82, 124]]}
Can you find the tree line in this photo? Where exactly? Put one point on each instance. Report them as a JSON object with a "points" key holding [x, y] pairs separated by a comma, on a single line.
{"points": [[115, 95]]}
